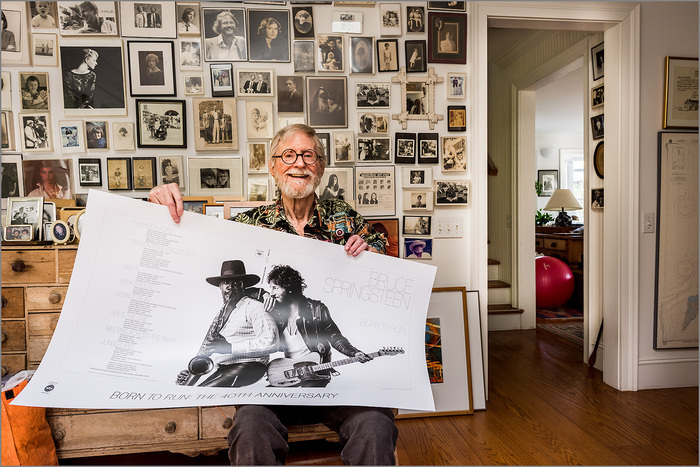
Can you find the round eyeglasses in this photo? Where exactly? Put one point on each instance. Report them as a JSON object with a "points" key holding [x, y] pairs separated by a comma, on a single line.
{"points": [[289, 156]]}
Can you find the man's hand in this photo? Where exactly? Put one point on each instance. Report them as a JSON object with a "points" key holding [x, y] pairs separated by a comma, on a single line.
{"points": [[362, 357], [168, 195], [356, 245], [182, 377]]}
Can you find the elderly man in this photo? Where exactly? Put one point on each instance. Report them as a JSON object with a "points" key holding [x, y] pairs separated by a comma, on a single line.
{"points": [[227, 45], [259, 434]]}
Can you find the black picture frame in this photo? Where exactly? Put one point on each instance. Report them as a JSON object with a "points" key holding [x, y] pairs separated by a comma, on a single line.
{"points": [[290, 99], [422, 225], [428, 148], [415, 16], [304, 56], [327, 101], [444, 49], [326, 143], [456, 118], [405, 148], [416, 60], [144, 173], [303, 22], [598, 126], [389, 226], [151, 117], [221, 75], [279, 49], [160, 82], [448, 6], [90, 171], [598, 61], [598, 159], [387, 55], [119, 173], [549, 181], [598, 96]]}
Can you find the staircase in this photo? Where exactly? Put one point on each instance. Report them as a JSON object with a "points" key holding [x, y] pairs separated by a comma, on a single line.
{"points": [[500, 297]]}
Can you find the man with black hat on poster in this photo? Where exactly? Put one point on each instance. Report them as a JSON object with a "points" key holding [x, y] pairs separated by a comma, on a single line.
{"points": [[241, 338]]}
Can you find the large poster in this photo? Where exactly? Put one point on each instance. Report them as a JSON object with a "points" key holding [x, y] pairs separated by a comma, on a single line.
{"points": [[149, 321]]}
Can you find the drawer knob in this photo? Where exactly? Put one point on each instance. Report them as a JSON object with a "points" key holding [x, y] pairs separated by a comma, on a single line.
{"points": [[4, 336], [4, 370], [4, 302], [170, 427], [227, 423], [553, 245], [59, 434], [18, 266], [54, 297]]}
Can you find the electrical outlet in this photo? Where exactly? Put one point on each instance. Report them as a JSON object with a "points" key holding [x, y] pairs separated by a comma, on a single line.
{"points": [[649, 222]]}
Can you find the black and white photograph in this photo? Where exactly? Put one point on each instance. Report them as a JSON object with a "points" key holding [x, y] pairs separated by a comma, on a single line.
{"points": [[255, 83], [449, 192], [72, 134], [88, 18], [418, 200], [330, 53], [346, 22], [303, 21], [258, 157], [373, 123], [343, 147], [35, 129], [93, 78], [49, 178], [390, 19], [15, 34], [372, 95], [415, 16], [428, 148], [259, 119], [258, 189], [7, 131], [417, 248], [44, 49], [268, 36], [454, 154], [597, 198], [374, 149], [456, 118], [375, 190], [416, 225], [151, 68], [190, 54], [326, 143], [447, 38], [148, 19], [35, 91], [96, 133], [548, 181], [161, 124], [43, 15], [12, 180], [221, 75], [416, 59], [361, 55], [224, 34], [26, 211], [597, 126], [598, 96], [6, 91], [216, 123], [417, 177], [123, 136], [406, 149], [193, 85], [337, 183], [447, 6], [387, 55], [119, 173], [290, 94], [456, 86], [598, 61], [90, 172], [304, 53], [326, 102], [144, 171], [172, 170], [188, 19]]}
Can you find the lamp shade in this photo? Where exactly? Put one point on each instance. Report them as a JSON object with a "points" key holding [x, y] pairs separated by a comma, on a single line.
{"points": [[562, 199]]}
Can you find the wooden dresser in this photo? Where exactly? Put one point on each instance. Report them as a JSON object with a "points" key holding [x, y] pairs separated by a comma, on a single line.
{"points": [[560, 243]]}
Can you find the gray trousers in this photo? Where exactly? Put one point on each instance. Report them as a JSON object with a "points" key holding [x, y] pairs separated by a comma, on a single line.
{"points": [[259, 436]]}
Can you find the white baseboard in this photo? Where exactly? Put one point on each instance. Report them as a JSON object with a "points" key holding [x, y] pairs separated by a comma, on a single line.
{"points": [[668, 373]]}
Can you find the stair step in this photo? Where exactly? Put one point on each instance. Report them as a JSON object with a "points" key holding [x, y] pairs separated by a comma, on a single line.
{"points": [[493, 261], [502, 309], [498, 285]]}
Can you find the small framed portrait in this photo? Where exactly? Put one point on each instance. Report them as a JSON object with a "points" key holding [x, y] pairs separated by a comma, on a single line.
{"points": [[416, 60], [258, 156], [418, 248], [151, 68], [193, 85], [304, 56], [337, 183], [417, 177], [161, 123], [597, 198], [390, 228], [447, 38], [50, 178], [188, 20], [598, 96], [456, 118], [18, 233], [60, 232], [190, 54], [374, 149], [303, 21], [72, 136], [44, 49], [330, 53], [362, 55], [215, 176], [172, 170], [680, 109], [349, 22], [599, 159], [123, 136], [598, 61], [387, 55], [454, 154], [326, 102], [373, 123], [405, 144], [290, 94], [97, 136], [35, 91], [36, 132], [144, 171], [416, 225], [451, 192], [15, 36], [119, 173], [428, 148], [255, 83], [390, 19], [268, 36], [8, 131], [49, 212], [343, 147], [26, 211], [43, 15], [12, 180], [215, 123], [549, 181], [447, 6], [6, 99], [90, 172], [597, 127], [260, 119], [214, 210], [372, 95], [152, 19], [415, 16], [419, 200], [286, 120], [456, 86], [258, 189], [224, 34], [221, 79], [88, 18], [326, 143], [375, 190], [196, 203]]}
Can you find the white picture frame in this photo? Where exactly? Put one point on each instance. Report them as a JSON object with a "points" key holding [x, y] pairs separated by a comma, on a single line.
{"points": [[337, 183], [259, 120], [18, 51], [44, 49], [123, 136], [196, 167], [390, 19], [258, 157], [189, 54], [346, 22], [379, 180], [258, 189], [103, 21], [417, 177], [456, 85], [72, 135], [163, 26], [343, 147], [34, 141], [418, 200]]}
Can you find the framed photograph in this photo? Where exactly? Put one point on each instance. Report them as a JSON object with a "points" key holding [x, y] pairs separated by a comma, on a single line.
{"points": [[387, 55], [79, 223], [8, 131], [119, 173], [18, 233], [303, 21], [349, 22], [418, 200], [406, 150], [290, 94], [100, 64], [224, 34], [447, 6], [414, 19], [193, 85], [36, 132], [60, 232], [451, 192], [152, 19], [216, 123], [43, 15], [90, 172], [418, 248], [599, 159], [343, 147], [597, 126], [416, 59], [337, 183], [598, 61], [549, 181], [49, 211], [214, 210], [304, 53], [327, 102], [417, 177], [361, 55], [15, 36], [390, 228], [330, 53], [6, 99], [447, 38], [88, 18], [161, 124], [390, 19], [44, 49], [144, 171], [260, 119], [428, 148], [196, 203], [456, 118], [454, 154], [373, 123], [287, 120], [188, 19], [456, 86], [97, 136], [190, 54], [172, 170], [268, 36], [35, 91], [12, 180], [27, 211], [597, 198], [680, 98], [416, 225], [598, 96], [123, 136], [255, 83], [233, 208], [258, 157], [151, 68], [326, 143], [374, 149], [72, 136], [221, 79], [258, 188], [375, 190], [215, 176], [372, 95]]}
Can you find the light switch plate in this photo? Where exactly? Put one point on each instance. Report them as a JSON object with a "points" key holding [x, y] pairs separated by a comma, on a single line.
{"points": [[448, 227]]}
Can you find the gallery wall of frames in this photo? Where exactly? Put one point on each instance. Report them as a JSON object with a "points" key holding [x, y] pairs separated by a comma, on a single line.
{"points": [[123, 96]]}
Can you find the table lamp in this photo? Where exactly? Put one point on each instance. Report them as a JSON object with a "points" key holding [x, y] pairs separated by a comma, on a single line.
{"points": [[562, 199]]}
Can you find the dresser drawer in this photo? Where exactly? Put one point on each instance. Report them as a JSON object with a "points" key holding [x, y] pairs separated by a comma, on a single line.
{"points": [[66, 260], [538, 243], [12, 302], [40, 329], [216, 424], [28, 266], [13, 362], [553, 244], [13, 336], [45, 298]]}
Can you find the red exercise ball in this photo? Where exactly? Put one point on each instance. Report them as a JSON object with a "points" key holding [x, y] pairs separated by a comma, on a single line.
{"points": [[555, 282]]}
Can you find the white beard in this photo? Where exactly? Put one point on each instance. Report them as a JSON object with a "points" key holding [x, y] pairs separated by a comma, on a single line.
{"points": [[297, 192]]}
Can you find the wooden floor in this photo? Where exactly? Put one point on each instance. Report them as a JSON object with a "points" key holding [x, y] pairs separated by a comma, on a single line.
{"points": [[546, 407]]}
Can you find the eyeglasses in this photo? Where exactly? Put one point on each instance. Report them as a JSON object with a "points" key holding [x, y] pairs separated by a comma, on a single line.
{"points": [[289, 156]]}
